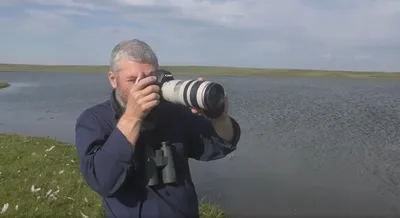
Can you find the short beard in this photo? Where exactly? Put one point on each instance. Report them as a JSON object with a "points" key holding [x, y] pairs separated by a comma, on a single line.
{"points": [[119, 99]]}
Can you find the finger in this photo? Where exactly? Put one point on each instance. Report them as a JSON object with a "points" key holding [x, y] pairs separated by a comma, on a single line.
{"points": [[149, 89], [139, 77], [195, 111], [226, 105], [142, 83], [149, 105], [149, 98]]}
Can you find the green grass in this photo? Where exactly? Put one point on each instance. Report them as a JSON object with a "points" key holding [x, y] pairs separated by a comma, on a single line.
{"points": [[208, 71], [4, 85], [39, 177]]}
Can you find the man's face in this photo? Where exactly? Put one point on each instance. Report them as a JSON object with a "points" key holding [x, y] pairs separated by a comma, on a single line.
{"points": [[129, 71]]}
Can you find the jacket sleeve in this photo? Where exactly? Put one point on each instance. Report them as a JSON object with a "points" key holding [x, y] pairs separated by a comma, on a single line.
{"points": [[105, 163], [204, 143]]}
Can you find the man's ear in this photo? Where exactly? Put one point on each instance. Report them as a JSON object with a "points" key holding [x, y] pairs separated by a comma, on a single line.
{"points": [[112, 78]]}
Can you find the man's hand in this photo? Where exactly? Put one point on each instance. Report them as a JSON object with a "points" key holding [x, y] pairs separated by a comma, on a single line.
{"points": [[223, 124], [143, 97]]}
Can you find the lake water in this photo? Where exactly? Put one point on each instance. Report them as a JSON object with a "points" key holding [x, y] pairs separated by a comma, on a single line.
{"points": [[309, 146]]}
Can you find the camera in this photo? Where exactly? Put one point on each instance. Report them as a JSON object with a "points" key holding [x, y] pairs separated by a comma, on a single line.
{"points": [[206, 96], [160, 165]]}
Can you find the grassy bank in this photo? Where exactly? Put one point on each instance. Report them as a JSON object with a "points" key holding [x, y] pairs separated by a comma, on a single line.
{"points": [[4, 85], [208, 71], [39, 177]]}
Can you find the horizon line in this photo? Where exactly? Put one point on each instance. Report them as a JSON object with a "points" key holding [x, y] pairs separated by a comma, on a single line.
{"points": [[206, 66]]}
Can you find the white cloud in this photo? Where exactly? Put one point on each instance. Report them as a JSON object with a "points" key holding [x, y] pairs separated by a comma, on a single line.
{"points": [[266, 33], [72, 12], [139, 2], [83, 4]]}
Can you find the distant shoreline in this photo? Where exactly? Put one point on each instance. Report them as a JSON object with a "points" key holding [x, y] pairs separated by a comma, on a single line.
{"points": [[208, 71]]}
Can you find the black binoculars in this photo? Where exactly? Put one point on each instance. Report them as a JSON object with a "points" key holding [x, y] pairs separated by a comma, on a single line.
{"points": [[160, 165]]}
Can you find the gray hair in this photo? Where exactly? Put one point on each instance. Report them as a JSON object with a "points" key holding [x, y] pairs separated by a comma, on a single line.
{"points": [[133, 50]]}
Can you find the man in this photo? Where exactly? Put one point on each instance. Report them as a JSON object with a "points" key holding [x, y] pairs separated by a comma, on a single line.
{"points": [[111, 137]]}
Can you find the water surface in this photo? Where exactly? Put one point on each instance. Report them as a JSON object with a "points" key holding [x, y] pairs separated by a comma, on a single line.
{"points": [[309, 146]]}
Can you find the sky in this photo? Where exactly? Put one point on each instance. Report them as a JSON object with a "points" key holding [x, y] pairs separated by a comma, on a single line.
{"points": [[311, 34]]}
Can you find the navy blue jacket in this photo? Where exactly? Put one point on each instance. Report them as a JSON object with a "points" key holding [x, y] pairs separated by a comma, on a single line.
{"points": [[114, 169]]}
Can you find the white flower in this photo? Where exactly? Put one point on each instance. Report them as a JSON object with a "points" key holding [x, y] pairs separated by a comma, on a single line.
{"points": [[61, 172], [84, 216], [51, 148], [5, 208], [48, 193], [16, 207], [34, 190]]}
